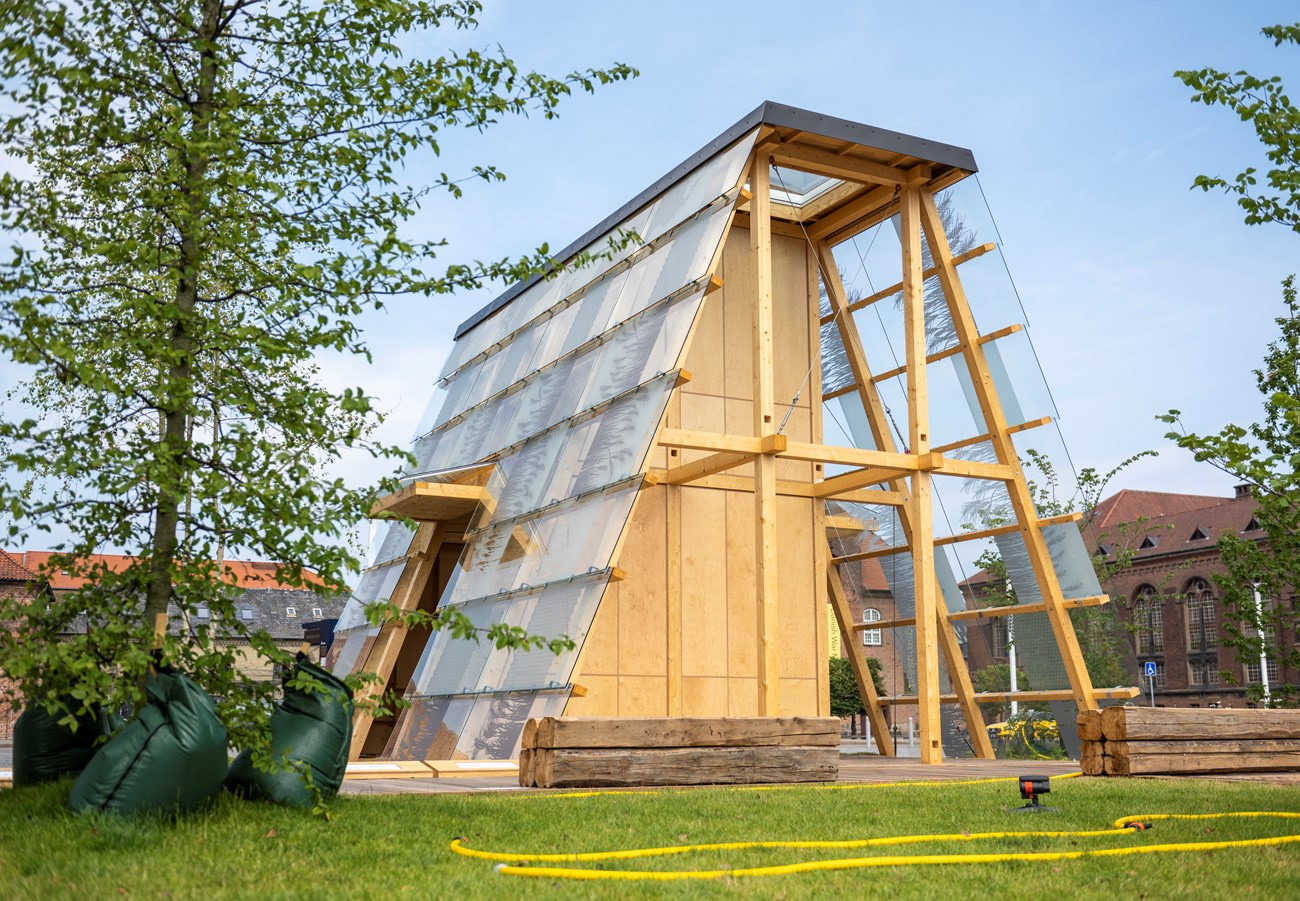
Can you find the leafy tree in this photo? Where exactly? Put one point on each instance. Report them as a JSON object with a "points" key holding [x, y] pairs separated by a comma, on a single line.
{"points": [[845, 700], [203, 198], [1266, 454], [1264, 104]]}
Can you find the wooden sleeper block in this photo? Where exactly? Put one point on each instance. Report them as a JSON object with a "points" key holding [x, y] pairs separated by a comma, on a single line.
{"points": [[572, 752]]}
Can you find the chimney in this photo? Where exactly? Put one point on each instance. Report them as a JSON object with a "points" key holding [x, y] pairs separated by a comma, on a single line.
{"points": [[1243, 491]]}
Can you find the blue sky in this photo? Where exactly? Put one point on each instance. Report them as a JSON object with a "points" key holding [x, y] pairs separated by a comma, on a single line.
{"points": [[1142, 294]]}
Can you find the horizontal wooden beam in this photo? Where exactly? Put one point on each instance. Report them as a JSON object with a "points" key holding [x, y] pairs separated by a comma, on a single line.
{"points": [[980, 439], [974, 469], [963, 536], [988, 612], [746, 484], [884, 293], [998, 697], [853, 456], [932, 358], [710, 441], [705, 466], [430, 502], [872, 475], [844, 526], [870, 210], [823, 162]]}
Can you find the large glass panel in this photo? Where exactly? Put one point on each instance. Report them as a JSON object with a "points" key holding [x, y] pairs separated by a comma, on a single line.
{"points": [[575, 537], [397, 541], [711, 180], [567, 608], [455, 665], [1016, 375], [351, 649], [640, 348]]}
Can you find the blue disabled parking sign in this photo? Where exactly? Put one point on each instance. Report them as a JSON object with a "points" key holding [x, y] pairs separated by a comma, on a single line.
{"points": [[1150, 668]]}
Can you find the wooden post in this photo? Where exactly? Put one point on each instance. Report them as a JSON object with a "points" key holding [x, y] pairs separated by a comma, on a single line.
{"points": [[673, 543], [1000, 435], [920, 509], [765, 576]]}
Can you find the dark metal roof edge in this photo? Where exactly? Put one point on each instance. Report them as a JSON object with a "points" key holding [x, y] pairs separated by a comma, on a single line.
{"points": [[766, 113]]}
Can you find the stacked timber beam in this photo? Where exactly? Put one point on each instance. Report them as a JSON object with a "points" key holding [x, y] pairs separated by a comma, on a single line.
{"points": [[573, 752], [1141, 741]]}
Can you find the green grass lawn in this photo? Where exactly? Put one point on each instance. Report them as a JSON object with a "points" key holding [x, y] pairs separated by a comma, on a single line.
{"points": [[396, 846]]}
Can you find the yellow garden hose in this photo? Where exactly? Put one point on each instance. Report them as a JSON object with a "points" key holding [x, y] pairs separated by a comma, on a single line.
{"points": [[512, 864]]}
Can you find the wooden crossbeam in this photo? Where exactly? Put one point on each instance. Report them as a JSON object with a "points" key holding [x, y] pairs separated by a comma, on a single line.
{"points": [[941, 355], [897, 287], [430, 501], [989, 612], [705, 466], [1001, 697], [869, 210], [960, 537], [980, 439], [974, 469], [872, 475], [822, 162]]}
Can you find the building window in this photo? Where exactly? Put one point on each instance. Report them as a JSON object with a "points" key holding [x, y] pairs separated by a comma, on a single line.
{"points": [[1001, 637], [316, 611], [1253, 674], [1204, 672], [1160, 674], [247, 614], [1148, 622], [1202, 634], [202, 614], [872, 638], [290, 611]]}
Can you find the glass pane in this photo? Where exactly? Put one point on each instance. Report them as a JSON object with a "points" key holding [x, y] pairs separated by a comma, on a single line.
{"points": [[557, 610], [641, 347], [708, 182], [348, 648], [397, 541]]}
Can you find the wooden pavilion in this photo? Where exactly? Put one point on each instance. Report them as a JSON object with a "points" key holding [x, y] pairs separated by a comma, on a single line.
{"points": [[637, 452]]}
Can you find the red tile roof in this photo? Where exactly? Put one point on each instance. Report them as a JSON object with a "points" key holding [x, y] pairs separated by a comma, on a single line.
{"points": [[244, 573], [1128, 505], [1176, 531], [13, 571]]}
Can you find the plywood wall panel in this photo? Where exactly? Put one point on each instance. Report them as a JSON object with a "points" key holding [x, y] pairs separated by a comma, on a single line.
{"points": [[643, 613], [704, 596]]}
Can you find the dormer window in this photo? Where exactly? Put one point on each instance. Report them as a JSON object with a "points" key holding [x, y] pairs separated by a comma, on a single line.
{"points": [[1252, 526], [1149, 542], [1200, 534]]}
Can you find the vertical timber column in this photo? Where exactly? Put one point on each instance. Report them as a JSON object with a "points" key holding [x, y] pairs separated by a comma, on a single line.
{"points": [[760, 241], [920, 508]]}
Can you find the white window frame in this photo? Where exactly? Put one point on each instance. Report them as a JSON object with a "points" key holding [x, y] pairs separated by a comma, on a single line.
{"points": [[872, 638]]}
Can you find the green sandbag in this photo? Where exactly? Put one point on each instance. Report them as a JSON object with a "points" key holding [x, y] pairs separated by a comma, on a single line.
{"points": [[45, 749], [308, 729], [170, 758]]}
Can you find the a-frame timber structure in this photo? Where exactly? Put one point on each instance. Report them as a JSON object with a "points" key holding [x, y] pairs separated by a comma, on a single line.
{"points": [[634, 454]]}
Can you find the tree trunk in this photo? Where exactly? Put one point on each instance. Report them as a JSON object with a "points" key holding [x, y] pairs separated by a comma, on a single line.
{"points": [[178, 387]]}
